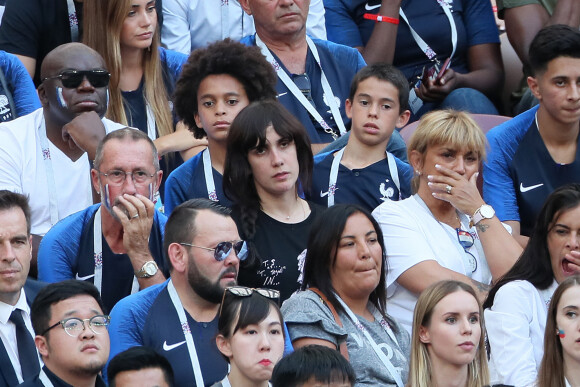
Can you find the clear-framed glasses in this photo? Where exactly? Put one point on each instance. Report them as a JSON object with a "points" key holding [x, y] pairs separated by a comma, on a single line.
{"points": [[466, 241], [242, 291], [73, 326], [71, 79], [223, 249], [116, 177]]}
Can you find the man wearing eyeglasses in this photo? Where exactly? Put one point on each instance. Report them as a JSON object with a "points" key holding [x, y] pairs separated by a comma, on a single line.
{"points": [[117, 244], [179, 318], [71, 335], [45, 154]]}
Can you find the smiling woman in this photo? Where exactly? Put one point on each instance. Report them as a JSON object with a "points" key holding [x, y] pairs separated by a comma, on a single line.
{"points": [[344, 302]]}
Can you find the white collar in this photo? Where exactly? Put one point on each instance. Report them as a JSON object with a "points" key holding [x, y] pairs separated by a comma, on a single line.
{"points": [[6, 309]]}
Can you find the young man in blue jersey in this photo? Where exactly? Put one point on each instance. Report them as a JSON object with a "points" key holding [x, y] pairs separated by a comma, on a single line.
{"points": [[537, 151], [362, 172], [215, 84]]}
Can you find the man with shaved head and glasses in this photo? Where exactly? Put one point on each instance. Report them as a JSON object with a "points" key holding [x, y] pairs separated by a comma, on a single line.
{"points": [[45, 154], [116, 244], [179, 318], [71, 335]]}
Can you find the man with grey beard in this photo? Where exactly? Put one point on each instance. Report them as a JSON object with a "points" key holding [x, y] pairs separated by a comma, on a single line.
{"points": [[116, 244], [179, 318]]}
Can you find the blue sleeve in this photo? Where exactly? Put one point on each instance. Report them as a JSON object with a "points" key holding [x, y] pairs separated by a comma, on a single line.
{"points": [[23, 91], [173, 59], [360, 61], [498, 185], [405, 175], [59, 248], [479, 23], [340, 27], [174, 191]]}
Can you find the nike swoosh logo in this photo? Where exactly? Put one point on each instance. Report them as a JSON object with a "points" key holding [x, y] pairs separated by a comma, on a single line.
{"points": [[85, 277], [172, 346], [281, 94], [371, 7], [323, 194], [531, 187]]}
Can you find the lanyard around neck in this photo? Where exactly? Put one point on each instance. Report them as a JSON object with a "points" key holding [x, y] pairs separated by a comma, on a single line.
{"points": [[208, 174], [383, 323], [98, 255], [332, 185], [329, 95], [73, 21], [428, 51], [187, 333]]}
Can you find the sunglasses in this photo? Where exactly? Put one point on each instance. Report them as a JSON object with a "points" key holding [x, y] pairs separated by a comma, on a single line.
{"points": [[466, 241], [242, 291], [223, 249], [71, 79]]}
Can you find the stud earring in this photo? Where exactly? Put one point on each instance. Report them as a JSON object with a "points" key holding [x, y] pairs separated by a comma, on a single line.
{"points": [[561, 333]]}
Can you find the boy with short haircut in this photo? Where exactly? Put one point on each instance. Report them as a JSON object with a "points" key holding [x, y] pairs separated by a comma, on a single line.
{"points": [[313, 365], [362, 172], [216, 83], [537, 151]]}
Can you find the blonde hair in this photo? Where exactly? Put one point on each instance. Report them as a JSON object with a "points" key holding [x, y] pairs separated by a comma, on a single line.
{"points": [[103, 22], [451, 127], [420, 370], [551, 372]]}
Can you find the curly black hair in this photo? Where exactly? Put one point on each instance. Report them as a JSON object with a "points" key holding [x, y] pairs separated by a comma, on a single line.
{"points": [[244, 63]]}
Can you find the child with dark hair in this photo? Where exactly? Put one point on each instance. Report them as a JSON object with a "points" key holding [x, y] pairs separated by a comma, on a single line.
{"points": [[216, 83], [251, 335], [363, 172], [313, 365]]}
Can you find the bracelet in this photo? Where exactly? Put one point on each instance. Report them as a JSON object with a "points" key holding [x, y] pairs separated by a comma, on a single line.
{"points": [[379, 18]]}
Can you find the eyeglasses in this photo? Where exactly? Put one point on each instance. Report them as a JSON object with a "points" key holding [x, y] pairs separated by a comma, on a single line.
{"points": [[242, 291], [71, 79], [74, 326], [117, 177], [223, 249], [466, 241]]}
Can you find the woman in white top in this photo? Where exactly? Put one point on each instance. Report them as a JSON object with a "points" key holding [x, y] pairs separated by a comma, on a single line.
{"points": [[517, 306], [561, 363], [445, 231]]}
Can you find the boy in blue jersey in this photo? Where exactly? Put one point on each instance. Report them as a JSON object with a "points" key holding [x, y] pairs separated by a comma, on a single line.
{"points": [[538, 151], [215, 84], [362, 172]]}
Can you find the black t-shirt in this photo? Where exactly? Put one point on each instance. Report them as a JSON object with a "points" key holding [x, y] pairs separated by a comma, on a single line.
{"points": [[279, 246], [33, 28]]}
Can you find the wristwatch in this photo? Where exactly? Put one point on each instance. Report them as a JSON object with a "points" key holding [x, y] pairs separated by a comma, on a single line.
{"points": [[484, 212], [148, 270]]}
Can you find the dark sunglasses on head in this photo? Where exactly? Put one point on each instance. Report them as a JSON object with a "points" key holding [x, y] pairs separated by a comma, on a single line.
{"points": [[223, 249], [242, 291], [71, 79]]}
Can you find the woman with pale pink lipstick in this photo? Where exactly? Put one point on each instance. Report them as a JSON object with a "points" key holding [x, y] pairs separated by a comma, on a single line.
{"points": [[143, 74], [516, 307], [250, 335], [268, 163], [561, 363], [447, 347]]}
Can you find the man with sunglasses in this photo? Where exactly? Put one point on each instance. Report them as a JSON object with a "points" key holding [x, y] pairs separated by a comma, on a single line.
{"points": [[179, 318], [71, 335], [124, 231], [45, 154]]}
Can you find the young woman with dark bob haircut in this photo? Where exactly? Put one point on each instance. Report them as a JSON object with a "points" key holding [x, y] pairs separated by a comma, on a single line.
{"points": [[517, 305], [268, 164], [344, 273]]}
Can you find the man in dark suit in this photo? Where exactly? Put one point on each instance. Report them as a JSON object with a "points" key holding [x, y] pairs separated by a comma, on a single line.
{"points": [[18, 356]]}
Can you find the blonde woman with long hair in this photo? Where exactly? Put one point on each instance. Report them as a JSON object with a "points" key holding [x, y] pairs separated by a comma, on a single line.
{"points": [[143, 74], [447, 346]]}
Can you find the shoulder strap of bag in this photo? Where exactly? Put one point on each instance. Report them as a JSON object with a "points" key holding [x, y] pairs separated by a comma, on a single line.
{"points": [[342, 346]]}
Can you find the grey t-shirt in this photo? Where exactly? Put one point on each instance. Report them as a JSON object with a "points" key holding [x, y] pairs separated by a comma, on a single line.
{"points": [[306, 316]]}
